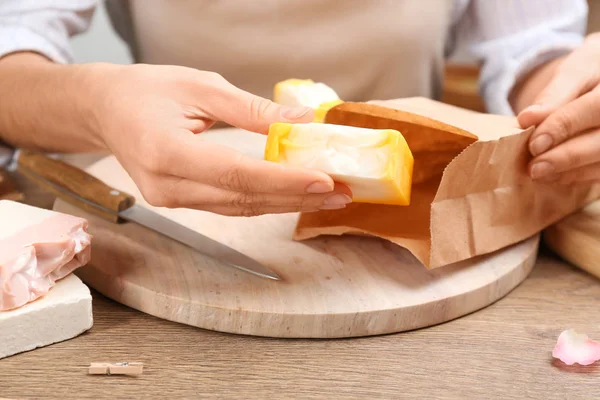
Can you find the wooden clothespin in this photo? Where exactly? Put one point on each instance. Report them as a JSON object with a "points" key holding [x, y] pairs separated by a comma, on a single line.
{"points": [[121, 368]]}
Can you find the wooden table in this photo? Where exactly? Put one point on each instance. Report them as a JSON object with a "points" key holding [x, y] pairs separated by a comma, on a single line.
{"points": [[503, 351]]}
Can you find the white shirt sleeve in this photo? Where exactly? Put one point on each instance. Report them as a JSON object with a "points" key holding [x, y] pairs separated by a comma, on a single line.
{"points": [[512, 37], [43, 26]]}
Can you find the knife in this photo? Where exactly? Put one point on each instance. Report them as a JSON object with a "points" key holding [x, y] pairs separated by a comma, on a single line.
{"points": [[83, 190]]}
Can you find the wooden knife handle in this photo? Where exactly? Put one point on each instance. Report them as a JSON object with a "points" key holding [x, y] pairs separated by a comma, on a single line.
{"points": [[75, 186], [8, 190]]}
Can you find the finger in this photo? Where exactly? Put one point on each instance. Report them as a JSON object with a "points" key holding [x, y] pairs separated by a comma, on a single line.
{"points": [[249, 212], [220, 166], [586, 175], [252, 211], [575, 153], [571, 80], [244, 110], [175, 192], [573, 118], [200, 125]]}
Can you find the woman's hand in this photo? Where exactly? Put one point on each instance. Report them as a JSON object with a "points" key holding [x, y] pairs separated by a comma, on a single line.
{"points": [[150, 118], [566, 141]]}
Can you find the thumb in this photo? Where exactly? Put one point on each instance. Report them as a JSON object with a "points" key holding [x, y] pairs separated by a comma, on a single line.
{"points": [[253, 113], [256, 114], [568, 83]]}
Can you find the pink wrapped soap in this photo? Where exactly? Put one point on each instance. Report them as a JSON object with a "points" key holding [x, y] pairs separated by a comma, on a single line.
{"points": [[37, 248]]}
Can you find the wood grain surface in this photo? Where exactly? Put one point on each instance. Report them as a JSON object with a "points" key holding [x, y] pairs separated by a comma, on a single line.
{"points": [[331, 286], [500, 352], [576, 238]]}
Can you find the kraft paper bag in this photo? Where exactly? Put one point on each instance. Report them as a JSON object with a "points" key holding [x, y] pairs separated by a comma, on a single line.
{"points": [[471, 192]]}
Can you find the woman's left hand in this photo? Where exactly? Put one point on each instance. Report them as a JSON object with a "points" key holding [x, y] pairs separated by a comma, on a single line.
{"points": [[566, 142]]}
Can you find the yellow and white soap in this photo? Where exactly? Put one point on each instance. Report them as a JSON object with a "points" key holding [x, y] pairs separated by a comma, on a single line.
{"points": [[376, 164], [306, 93]]}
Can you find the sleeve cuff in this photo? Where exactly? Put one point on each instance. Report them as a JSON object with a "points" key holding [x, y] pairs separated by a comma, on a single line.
{"points": [[18, 38], [496, 94], [6, 155]]}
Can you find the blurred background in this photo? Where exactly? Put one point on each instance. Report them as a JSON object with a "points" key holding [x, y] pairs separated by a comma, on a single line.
{"points": [[461, 80], [101, 43]]}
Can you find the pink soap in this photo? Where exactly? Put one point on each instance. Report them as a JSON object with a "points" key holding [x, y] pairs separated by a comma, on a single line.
{"points": [[38, 247], [573, 347]]}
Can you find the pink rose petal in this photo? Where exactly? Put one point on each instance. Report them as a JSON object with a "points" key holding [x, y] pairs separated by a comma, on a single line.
{"points": [[573, 347]]}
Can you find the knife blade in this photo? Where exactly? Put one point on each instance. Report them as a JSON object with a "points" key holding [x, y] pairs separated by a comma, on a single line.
{"points": [[85, 191]]}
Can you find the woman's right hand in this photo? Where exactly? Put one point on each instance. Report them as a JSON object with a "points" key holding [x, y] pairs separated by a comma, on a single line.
{"points": [[150, 117]]}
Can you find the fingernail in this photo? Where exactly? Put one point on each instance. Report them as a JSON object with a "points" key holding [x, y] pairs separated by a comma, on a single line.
{"points": [[541, 170], [319, 187], [540, 144], [554, 178], [337, 200], [292, 113], [532, 108], [333, 207]]}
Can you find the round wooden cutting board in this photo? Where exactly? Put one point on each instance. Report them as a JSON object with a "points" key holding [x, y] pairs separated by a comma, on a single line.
{"points": [[331, 287], [576, 238]]}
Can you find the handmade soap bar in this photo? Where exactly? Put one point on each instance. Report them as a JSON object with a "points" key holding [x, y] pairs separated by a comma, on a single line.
{"points": [[37, 248], [63, 313], [305, 92], [376, 164]]}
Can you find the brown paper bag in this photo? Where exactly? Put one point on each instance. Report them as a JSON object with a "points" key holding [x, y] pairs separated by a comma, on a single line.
{"points": [[471, 193]]}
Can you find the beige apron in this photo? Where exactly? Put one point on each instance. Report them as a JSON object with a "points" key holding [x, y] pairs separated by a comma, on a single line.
{"points": [[364, 49]]}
